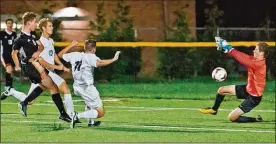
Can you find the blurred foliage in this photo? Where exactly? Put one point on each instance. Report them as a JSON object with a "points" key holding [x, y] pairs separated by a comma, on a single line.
{"points": [[119, 29]]}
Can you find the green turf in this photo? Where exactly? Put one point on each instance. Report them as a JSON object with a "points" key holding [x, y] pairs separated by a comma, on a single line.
{"points": [[137, 120], [186, 89]]}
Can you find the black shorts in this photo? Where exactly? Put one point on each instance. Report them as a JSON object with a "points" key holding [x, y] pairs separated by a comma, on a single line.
{"points": [[250, 101], [32, 73], [7, 59]]}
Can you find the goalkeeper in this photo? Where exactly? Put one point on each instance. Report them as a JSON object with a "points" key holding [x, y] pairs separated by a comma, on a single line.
{"points": [[252, 92]]}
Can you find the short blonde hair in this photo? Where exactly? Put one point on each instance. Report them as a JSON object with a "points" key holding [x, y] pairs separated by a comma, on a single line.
{"points": [[43, 23]]}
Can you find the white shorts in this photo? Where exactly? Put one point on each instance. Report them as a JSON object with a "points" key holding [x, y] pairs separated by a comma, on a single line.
{"points": [[90, 96], [56, 78]]}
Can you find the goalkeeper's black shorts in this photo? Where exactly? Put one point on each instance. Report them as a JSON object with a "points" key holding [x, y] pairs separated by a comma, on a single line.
{"points": [[250, 101]]}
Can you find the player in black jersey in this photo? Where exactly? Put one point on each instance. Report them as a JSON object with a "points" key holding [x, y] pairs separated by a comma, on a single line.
{"points": [[35, 72], [7, 38]]}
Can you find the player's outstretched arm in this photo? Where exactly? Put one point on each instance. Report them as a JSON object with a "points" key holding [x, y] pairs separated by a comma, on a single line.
{"points": [[15, 60], [108, 61], [49, 66], [239, 56], [66, 49], [57, 60]]}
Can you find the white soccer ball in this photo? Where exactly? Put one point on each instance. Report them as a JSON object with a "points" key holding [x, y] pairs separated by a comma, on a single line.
{"points": [[219, 74]]}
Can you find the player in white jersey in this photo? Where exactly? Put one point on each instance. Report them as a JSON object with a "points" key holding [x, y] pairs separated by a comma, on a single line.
{"points": [[48, 58], [83, 65]]}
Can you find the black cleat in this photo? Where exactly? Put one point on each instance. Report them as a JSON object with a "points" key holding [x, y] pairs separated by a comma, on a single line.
{"points": [[3, 95], [65, 117], [74, 120], [23, 108], [95, 124], [259, 118], [78, 121]]}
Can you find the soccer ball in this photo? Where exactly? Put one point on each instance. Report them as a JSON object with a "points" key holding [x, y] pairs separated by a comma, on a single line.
{"points": [[219, 74]]}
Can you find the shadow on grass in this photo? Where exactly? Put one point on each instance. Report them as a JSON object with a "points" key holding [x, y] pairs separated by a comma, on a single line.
{"points": [[49, 127]]}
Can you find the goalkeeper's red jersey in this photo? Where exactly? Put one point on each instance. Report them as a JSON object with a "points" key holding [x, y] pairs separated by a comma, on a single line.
{"points": [[256, 72]]}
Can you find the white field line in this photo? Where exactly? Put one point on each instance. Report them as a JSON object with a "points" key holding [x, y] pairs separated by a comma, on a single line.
{"points": [[154, 126], [193, 128], [145, 108]]}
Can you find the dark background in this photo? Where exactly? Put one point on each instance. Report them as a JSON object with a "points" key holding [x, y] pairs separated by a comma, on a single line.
{"points": [[240, 13]]}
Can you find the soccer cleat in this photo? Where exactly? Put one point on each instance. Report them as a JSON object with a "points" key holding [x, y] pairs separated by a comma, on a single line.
{"points": [[78, 121], [74, 120], [65, 117], [259, 118], [4, 95], [23, 108], [95, 124], [208, 111]]}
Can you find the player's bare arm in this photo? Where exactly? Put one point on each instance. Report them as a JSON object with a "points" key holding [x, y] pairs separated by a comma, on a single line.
{"points": [[16, 60], [50, 66], [108, 61], [40, 49], [66, 49], [57, 60]]}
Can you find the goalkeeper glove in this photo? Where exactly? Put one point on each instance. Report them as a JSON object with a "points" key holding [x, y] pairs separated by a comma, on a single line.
{"points": [[223, 45]]}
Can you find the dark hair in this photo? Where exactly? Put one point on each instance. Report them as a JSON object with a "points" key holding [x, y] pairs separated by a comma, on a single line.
{"points": [[9, 20], [89, 44], [263, 47], [28, 16], [43, 23]]}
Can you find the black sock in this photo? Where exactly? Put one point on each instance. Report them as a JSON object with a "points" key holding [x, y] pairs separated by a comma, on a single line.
{"points": [[33, 95], [219, 99], [244, 119], [58, 101], [8, 80]]}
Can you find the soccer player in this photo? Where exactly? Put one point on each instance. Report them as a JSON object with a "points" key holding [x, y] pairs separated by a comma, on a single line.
{"points": [[48, 57], [252, 91], [7, 38], [33, 70], [83, 65]]}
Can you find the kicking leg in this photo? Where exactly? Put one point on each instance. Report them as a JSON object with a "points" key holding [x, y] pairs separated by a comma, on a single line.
{"points": [[9, 90], [236, 116], [246, 106], [33, 86], [67, 98], [222, 91], [48, 83], [33, 95]]}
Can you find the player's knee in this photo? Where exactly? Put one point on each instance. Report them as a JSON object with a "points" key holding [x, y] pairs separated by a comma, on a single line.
{"points": [[9, 69], [231, 117], [63, 87], [100, 113], [220, 90]]}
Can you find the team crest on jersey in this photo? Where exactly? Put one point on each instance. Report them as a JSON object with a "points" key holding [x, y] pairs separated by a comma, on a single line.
{"points": [[51, 53], [6, 37]]}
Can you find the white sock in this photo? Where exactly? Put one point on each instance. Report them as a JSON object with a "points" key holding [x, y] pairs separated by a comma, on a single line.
{"points": [[18, 95], [89, 120], [68, 103], [33, 86], [89, 114]]}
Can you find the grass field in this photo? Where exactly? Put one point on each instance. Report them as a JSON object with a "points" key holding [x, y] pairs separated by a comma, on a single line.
{"points": [[143, 113]]}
